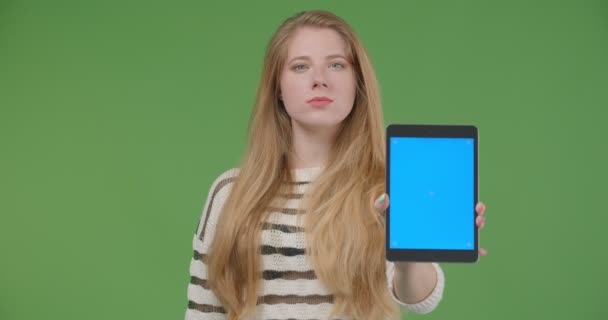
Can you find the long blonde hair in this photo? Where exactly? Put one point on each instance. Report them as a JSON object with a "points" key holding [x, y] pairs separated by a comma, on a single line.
{"points": [[344, 232]]}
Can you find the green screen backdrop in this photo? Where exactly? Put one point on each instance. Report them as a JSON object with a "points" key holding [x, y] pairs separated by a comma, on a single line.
{"points": [[116, 116]]}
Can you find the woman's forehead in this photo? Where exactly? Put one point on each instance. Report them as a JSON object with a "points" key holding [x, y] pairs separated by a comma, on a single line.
{"points": [[316, 43]]}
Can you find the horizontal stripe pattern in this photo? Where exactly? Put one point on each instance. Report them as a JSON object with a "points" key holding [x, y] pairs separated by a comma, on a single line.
{"points": [[280, 309], [299, 183], [199, 282], [297, 239], [282, 228], [282, 284], [287, 278], [199, 256], [288, 275], [278, 285], [295, 220], [264, 250], [285, 251], [205, 307], [292, 196], [289, 287], [276, 262], [199, 295], [294, 299], [290, 211]]}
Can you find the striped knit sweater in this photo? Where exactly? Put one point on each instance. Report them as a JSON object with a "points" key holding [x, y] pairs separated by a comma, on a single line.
{"points": [[290, 289]]}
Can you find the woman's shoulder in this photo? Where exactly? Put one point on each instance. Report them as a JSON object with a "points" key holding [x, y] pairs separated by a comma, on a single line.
{"points": [[216, 198], [227, 176], [223, 182]]}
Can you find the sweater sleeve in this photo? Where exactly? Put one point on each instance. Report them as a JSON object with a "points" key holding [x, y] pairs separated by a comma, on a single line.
{"points": [[429, 303], [203, 304]]}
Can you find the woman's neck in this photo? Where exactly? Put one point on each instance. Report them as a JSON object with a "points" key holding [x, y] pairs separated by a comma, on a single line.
{"points": [[311, 147]]}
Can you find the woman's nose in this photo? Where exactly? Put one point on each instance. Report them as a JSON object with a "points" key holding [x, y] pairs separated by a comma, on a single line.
{"points": [[319, 78]]}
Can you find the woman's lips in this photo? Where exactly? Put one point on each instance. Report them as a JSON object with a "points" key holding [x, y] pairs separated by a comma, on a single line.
{"points": [[319, 101]]}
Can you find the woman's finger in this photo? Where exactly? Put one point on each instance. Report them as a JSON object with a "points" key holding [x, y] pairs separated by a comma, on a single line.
{"points": [[480, 208], [483, 251], [480, 221], [382, 202]]}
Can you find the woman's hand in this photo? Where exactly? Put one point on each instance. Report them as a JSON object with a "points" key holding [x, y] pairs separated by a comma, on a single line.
{"points": [[382, 204]]}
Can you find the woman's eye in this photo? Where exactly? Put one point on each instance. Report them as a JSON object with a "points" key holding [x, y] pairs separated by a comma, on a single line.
{"points": [[299, 67], [337, 65]]}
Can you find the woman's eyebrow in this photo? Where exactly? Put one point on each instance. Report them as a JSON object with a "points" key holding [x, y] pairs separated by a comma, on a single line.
{"points": [[331, 56]]}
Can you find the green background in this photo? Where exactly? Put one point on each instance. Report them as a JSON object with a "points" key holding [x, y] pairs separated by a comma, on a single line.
{"points": [[116, 116]]}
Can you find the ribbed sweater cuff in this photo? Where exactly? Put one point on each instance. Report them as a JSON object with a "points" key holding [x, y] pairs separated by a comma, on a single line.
{"points": [[429, 303]]}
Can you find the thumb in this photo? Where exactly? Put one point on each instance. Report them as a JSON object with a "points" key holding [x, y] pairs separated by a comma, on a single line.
{"points": [[382, 202]]}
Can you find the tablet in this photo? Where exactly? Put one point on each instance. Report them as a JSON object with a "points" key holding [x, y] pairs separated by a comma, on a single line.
{"points": [[431, 180]]}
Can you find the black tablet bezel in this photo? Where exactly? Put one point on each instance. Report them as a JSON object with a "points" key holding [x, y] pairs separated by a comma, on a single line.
{"points": [[437, 131]]}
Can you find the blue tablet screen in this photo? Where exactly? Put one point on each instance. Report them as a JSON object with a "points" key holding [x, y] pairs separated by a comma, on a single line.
{"points": [[431, 193]]}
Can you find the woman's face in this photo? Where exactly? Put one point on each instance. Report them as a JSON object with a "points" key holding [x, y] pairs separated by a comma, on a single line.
{"points": [[317, 67]]}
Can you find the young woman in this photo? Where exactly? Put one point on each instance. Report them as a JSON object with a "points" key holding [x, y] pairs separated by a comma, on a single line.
{"points": [[295, 233]]}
